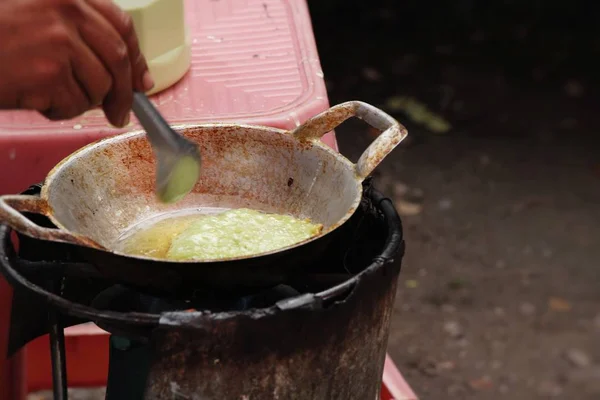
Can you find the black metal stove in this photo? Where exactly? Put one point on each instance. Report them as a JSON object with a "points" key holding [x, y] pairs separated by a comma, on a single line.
{"points": [[322, 335]]}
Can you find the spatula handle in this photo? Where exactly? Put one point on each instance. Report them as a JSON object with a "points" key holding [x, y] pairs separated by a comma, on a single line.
{"points": [[157, 129]]}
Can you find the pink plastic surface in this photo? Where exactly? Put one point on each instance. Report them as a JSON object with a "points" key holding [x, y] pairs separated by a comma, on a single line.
{"points": [[394, 385], [253, 61]]}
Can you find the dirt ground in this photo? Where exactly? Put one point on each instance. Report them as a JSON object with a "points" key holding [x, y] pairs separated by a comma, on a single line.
{"points": [[500, 289]]}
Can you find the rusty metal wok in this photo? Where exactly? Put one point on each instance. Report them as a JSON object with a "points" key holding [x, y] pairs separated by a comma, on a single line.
{"points": [[103, 189]]}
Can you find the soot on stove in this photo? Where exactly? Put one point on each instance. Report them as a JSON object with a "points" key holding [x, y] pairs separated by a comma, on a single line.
{"points": [[208, 344]]}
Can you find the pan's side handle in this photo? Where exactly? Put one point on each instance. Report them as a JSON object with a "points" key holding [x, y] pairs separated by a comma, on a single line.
{"points": [[393, 132], [11, 207]]}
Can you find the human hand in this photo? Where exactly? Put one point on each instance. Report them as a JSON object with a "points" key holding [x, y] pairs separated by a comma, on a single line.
{"points": [[63, 57]]}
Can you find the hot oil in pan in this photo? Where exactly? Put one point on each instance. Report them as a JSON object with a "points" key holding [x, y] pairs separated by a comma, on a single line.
{"points": [[152, 237], [221, 234]]}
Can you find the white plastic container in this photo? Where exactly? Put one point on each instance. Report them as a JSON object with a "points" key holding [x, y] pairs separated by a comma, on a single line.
{"points": [[164, 39]]}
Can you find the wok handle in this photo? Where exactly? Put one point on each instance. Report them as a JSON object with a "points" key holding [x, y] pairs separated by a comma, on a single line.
{"points": [[11, 207], [393, 132]]}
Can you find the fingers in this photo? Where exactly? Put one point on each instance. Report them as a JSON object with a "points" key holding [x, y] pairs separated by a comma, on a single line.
{"points": [[69, 99], [38, 101], [118, 102], [54, 89], [122, 22], [104, 40], [90, 73]]}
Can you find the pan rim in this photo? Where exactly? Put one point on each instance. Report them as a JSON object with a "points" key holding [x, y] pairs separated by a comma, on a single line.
{"points": [[44, 192]]}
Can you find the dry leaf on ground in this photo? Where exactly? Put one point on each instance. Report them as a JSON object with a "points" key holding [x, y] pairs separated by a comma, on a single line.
{"points": [[559, 304]]}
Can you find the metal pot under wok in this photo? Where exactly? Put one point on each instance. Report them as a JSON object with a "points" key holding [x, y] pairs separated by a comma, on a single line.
{"points": [[103, 189]]}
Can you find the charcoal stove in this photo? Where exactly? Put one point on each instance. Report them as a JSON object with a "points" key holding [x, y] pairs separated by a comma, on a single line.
{"points": [[322, 335]]}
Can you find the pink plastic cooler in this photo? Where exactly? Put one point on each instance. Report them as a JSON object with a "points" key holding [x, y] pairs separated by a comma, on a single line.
{"points": [[253, 62]]}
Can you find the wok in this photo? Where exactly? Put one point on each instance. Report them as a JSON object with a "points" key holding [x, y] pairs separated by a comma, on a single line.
{"points": [[101, 190]]}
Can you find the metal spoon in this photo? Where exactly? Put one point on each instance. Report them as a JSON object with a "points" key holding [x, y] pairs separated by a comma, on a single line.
{"points": [[178, 159]]}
